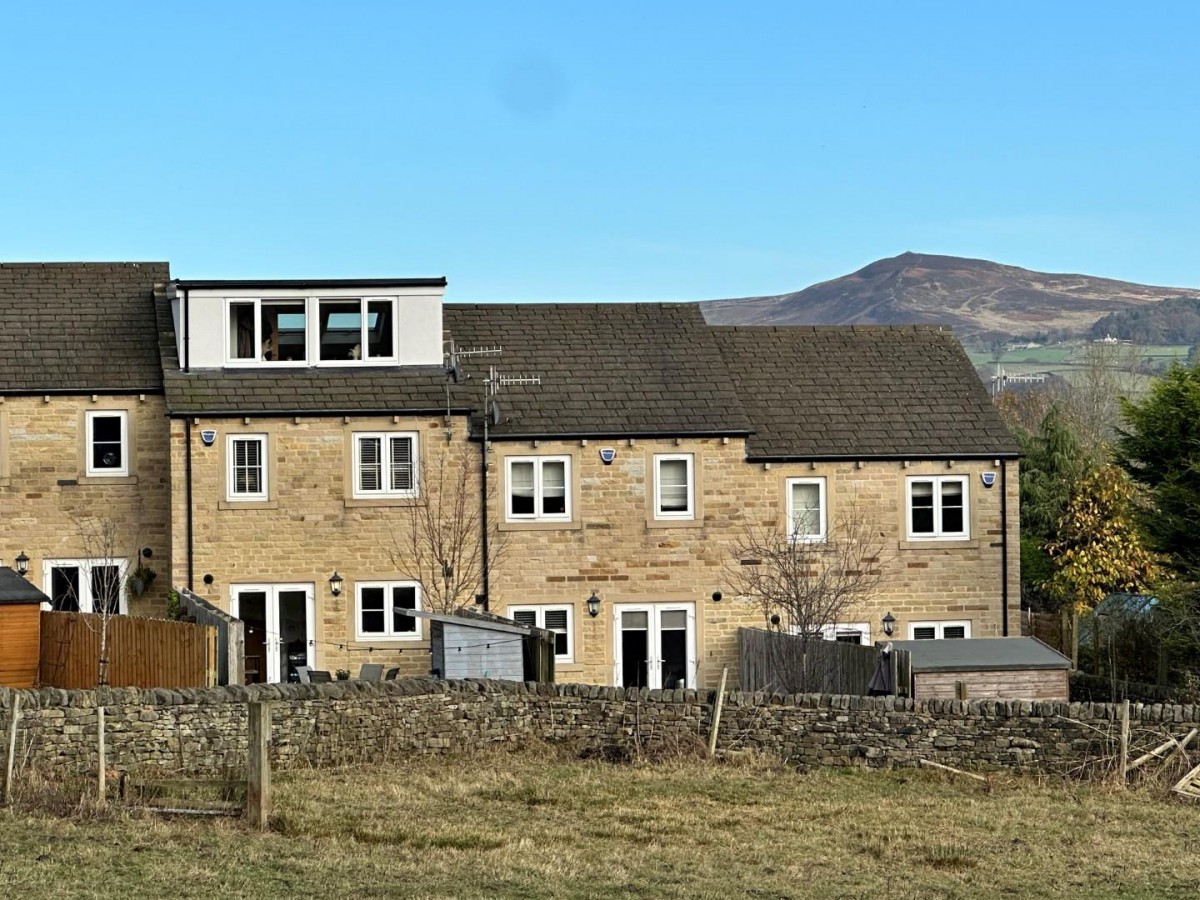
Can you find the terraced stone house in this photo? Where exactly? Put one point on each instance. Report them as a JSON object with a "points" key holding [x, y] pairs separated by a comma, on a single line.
{"points": [[287, 430]]}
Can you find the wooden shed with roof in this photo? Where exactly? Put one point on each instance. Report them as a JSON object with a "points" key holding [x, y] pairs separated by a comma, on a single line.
{"points": [[1006, 668], [20, 630]]}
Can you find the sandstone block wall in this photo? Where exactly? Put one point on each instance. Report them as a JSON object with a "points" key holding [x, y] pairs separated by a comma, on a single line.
{"points": [[203, 731], [47, 500]]}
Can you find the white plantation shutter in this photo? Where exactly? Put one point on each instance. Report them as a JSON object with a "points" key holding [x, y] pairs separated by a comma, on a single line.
{"points": [[370, 464], [525, 617], [556, 621], [673, 485], [247, 466], [402, 463]]}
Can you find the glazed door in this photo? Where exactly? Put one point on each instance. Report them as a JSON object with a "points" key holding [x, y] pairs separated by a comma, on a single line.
{"points": [[279, 629], [655, 645]]}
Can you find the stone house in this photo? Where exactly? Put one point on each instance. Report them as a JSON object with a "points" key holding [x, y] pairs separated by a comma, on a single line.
{"points": [[299, 427]]}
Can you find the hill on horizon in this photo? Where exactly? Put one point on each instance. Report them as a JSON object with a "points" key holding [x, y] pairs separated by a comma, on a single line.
{"points": [[981, 300]]}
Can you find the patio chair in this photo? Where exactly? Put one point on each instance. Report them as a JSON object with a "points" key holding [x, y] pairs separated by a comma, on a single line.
{"points": [[392, 673], [370, 672], [319, 676], [303, 673]]}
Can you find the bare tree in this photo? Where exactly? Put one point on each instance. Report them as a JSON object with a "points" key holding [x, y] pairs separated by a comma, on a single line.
{"points": [[101, 572], [804, 586], [445, 546]]}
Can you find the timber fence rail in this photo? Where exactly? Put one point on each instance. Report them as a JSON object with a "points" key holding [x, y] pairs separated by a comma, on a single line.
{"points": [[142, 653]]}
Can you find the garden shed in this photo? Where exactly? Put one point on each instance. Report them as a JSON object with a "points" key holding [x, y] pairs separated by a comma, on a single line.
{"points": [[478, 645], [1016, 668], [20, 630]]}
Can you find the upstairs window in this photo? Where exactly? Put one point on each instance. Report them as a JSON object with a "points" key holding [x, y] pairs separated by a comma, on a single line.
{"points": [[247, 476], [352, 330], [674, 493], [551, 618], [376, 617], [308, 331], [268, 331], [935, 631], [385, 465], [107, 442], [806, 509], [938, 507], [538, 488]]}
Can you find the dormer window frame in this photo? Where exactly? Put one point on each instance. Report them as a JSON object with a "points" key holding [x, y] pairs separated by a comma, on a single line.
{"points": [[312, 338]]}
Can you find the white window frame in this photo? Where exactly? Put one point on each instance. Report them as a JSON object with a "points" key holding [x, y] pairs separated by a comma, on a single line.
{"points": [[231, 493], [823, 534], [388, 634], [385, 438], [832, 632], [539, 610], [938, 534], [940, 628], [312, 339], [87, 603], [363, 308], [90, 417], [690, 460], [538, 463]]}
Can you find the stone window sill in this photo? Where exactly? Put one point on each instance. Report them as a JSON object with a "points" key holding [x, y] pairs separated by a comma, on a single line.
{"points": [[247, 504], [118, 480], [939, 544]]}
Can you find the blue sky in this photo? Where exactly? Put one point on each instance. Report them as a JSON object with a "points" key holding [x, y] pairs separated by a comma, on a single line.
{"points": [[615, 151]]}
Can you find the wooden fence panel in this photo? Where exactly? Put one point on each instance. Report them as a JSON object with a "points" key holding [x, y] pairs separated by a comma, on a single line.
{"points": [[776, 662], [1052, 629], [142, 653]]}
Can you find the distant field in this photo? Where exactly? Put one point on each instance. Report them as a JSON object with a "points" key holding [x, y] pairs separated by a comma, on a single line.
{"points": [[521, 825], [1067, 361]]}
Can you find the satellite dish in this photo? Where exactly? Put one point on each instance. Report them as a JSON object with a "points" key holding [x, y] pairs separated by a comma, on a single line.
{"points": [[494, 412]]}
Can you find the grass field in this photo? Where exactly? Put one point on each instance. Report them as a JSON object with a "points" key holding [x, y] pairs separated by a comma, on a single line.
{"points": [[542, 825]]}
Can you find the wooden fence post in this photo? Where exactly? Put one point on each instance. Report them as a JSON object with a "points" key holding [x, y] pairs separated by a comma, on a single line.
{"points": [[11, 756], [101, 760], [1123, 763], [258, 766], [961, 691], [716, 721]]}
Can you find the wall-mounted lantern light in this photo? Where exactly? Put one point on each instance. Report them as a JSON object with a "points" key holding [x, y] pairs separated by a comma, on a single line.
{"points": [[22, 564], [889, 624], [335, 584], [593, 603]]}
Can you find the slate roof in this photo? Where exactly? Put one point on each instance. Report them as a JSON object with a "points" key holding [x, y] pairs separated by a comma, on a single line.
{"points": [[643, 369], [606, 369], [79, 327], [15, 590], [981, 654], [860, 391]]}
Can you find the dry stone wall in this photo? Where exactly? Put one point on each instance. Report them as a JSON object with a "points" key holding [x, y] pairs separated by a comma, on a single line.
{"points": [[204, 730]]}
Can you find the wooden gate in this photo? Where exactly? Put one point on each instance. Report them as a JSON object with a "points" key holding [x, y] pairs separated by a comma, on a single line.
{"points": [[144, 653]]}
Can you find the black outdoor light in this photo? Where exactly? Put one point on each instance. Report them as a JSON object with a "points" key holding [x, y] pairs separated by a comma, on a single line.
{"points": [[335, 584], [22, 564], [593, 603], [889, 624]]}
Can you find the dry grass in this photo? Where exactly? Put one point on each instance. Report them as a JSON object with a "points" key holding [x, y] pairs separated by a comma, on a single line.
{"points": [[543, 825]]}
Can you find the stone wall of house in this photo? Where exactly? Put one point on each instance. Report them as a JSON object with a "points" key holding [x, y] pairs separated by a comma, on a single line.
{"points": [[613, 545], [204, 730], [51, 508], [311, 525]]}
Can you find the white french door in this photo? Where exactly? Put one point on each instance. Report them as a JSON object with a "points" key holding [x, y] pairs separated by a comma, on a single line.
{"points": [[280, 629], [655, 645]]}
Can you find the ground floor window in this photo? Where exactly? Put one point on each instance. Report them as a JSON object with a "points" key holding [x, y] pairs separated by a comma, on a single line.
{"points": [[848, 633], [933, 631], [86, 585], [552, 618], [376, 616]]}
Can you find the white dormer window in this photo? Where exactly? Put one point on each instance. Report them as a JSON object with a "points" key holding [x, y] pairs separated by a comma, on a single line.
{"points": [[310, 331]]}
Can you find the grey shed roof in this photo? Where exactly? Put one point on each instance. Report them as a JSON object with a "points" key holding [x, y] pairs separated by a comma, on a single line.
{"points": [[79, 327], [861, 391], [981, 654], [15, 590]]}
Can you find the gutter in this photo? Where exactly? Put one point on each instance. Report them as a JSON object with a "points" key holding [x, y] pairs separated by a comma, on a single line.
{"points": [[187, 333]]}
